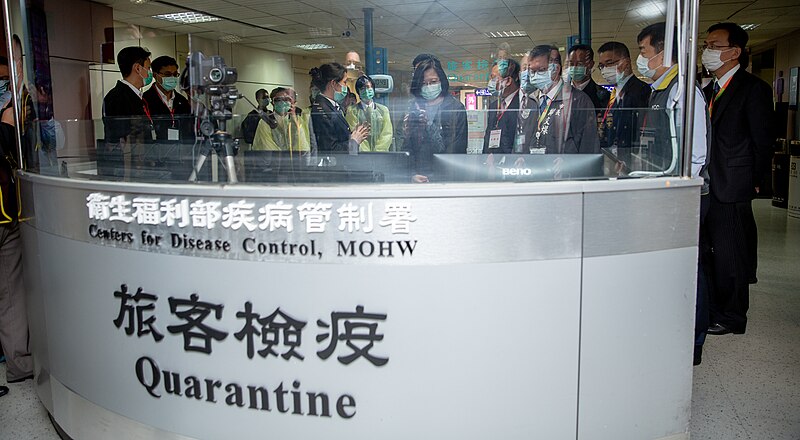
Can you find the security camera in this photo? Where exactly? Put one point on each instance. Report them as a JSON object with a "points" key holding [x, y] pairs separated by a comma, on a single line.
{"points": [[347, 33]]}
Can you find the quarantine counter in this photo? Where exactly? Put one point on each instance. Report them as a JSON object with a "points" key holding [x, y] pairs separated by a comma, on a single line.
{"points": [[454, 311]]}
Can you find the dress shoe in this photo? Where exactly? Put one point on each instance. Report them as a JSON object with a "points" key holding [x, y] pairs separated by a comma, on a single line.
{"points": [[718, 329], [3, 391], [21, 379]]}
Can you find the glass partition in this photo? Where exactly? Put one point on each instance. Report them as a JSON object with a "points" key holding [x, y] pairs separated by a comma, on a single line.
{"points": [[294, 93]]}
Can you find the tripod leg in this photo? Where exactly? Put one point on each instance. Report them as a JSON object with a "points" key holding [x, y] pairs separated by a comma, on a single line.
{"points": [[230, 167], [198, 166]]}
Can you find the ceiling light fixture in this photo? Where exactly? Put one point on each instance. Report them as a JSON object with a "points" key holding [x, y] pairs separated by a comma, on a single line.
{"points": [[231, 38], [140, 2], [187, 17], [506, 34], [750, 26], [320, 32], [313, 46], [443, 32]]}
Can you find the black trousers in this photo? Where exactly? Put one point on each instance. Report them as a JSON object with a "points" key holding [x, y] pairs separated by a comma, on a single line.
{"points": [[731, 227]]}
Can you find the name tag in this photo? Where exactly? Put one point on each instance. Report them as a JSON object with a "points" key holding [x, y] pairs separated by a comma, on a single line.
{"points": [[153, 134], [520, 140], [173, 134], [494, 138], [537, 150]]}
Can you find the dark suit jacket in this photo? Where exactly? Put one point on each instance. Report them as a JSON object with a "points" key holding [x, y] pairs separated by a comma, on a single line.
{"points": [[123, 115], [622, 124], [447, 133], [598, 95], [330, 127], [507, 125], [163, 120], [578, 114], [742, 137]]}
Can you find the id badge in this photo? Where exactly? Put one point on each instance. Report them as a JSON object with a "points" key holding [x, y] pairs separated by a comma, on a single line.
{"points": [[173, 134], [153, 134], [494, 138], [520, 141]]}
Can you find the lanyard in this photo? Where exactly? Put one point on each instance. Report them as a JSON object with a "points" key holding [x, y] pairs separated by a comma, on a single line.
{"points": [[610, 104], [547, 109], [714, 98], [501, 105], [170, 108], [146, 110]]}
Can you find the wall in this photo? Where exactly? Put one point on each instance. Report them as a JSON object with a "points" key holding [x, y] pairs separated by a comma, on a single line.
{"points": [[787, 55]]}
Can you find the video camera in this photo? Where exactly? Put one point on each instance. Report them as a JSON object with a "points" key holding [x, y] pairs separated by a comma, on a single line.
{"points": [[210, 83]]}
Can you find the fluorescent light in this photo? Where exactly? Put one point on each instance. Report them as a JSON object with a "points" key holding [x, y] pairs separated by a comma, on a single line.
{"points": [[750, 26], [313, 46], [140, 2], [506, 34], [231, 38], [187, 17], [650, 11]]}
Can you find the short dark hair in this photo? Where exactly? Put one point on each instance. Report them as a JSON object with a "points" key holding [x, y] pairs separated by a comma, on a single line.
{"points": [[129, 56], [424, 56], [322, 75], [419, 75], [657, 34], [3, 61], [540, 50], [584, 47], [736, 37], [618, 48], [512, 71], [261, 92], [163, 61], [362, 81]]}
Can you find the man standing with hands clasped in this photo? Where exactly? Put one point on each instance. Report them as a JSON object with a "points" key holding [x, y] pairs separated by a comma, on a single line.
{"points": [[740, 105]]}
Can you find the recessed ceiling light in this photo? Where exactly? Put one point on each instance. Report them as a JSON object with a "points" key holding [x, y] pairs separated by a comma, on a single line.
{"points": [[231, 38], [443, 32], [187, 17], [506, 34], [313, 46], [320, 32], [750, 26], [140, 2]]}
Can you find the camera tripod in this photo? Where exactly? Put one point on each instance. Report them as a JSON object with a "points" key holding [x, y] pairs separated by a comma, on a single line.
{"points": [[220, 141]]}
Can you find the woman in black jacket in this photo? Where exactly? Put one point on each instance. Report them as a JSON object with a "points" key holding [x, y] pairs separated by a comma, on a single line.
{"points": [[327, 114], [436, 122]]}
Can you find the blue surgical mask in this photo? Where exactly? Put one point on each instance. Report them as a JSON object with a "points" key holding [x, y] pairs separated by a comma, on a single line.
{"points": [[431, 91], [340, 95], [502, 67], [642, 64], [4, 86], [543, 80], [577, 73], [170, 82], [525, 82], [492, 86]]}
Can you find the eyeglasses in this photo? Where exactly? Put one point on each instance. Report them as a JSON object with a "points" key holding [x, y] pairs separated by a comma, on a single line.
{"points": [[174, 75], [714, 47], [428, 83], [611, 64]]}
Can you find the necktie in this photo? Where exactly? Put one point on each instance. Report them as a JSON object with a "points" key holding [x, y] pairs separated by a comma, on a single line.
{"points": [[716, 87], [543, 104]]}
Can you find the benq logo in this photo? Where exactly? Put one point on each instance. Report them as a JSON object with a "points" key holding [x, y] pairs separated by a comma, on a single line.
{"points": [[517, 172]]}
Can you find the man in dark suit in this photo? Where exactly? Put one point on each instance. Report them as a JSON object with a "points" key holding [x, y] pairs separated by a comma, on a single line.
{"points": [[620, 120], [126, 120], [171, 112], [741, 109], [501, 126], [581, 63]]}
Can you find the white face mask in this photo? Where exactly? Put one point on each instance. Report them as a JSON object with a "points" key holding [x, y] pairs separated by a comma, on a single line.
{"points": [[712, 59], [609, 74], [642, 64]]}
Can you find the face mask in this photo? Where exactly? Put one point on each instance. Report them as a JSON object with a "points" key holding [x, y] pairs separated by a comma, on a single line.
{"points": [[609, 74], [367, 94], [642, 64], [492, 86], [340, 95], [525, 82], [711, 59], [543, 80], [282, 107], [169, 83], [432, 91], [4, 86], [502, 67], [149, 78], [351, 66], [264, 103], [578, 73]]}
